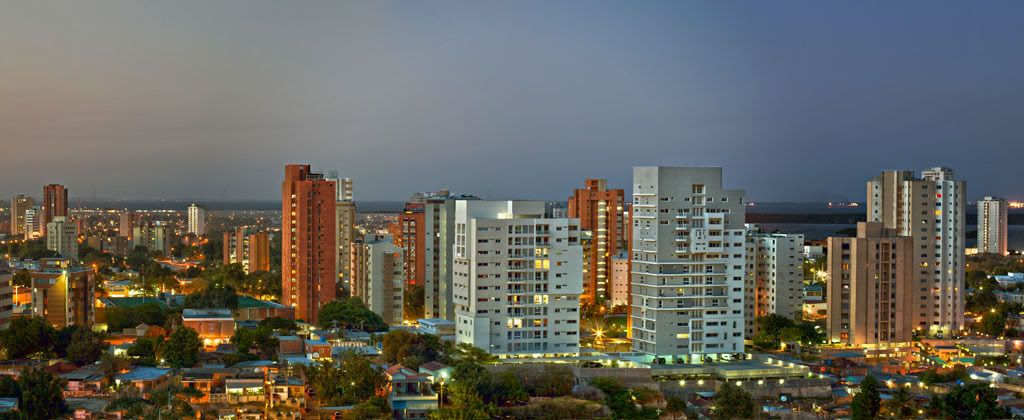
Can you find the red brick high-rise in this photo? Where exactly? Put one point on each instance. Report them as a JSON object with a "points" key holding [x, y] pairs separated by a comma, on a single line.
{"points": [[308, 235], [55, 203], [600, 211], [408, 233]]}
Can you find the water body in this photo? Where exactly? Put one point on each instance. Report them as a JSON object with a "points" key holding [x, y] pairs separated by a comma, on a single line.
{"points": [[814, 231]]}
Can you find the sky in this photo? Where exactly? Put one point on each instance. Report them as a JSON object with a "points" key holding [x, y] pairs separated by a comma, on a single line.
{"points": [[797, 100]]}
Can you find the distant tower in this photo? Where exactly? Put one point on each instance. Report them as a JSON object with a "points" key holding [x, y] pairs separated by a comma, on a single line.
{"points": [[19, 205], [61, 238], [197, 219], [308, 244], [992, 226], [600, 212], [55, 203]]}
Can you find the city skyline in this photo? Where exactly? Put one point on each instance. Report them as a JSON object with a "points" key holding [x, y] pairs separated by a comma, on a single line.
{"points": [[164, 100]]}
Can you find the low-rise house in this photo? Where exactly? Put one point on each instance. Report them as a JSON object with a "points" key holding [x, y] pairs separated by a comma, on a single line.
{"points": [[214, 326], [209, 381], [442, 328], [288, 391], [146, 379], [87, 408], [318, 349], [245, 390], [410, 394], [289, 344], [8, 405], [85, 381], [436, 372]]}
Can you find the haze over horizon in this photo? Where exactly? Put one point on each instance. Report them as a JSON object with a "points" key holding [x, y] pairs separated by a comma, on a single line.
{"points": [[797, 100]]}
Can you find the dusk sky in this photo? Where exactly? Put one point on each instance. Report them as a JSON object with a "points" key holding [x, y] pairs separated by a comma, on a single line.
{"points": [[797, 100]]}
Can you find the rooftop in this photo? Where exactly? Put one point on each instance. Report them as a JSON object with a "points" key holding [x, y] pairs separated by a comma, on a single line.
{"points": [[219, 313], [143, 373], [132, 302], [246, 302]]}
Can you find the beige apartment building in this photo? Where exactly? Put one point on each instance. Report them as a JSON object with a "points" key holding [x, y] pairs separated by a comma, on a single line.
{"points": [[871, 287]]}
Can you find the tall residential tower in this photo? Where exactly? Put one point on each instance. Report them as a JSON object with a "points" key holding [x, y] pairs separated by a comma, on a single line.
{"points": [[992, 226], [599, 210], [688, 265], [308, 241]]}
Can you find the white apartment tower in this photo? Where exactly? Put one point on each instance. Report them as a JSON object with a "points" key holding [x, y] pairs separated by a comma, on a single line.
{"points": [[775, 275], [932, 210], [517, 278], [196, 219], [688, 265], [33, 223], [992, 226], [379, 281], [345, 218], [62, 238]]}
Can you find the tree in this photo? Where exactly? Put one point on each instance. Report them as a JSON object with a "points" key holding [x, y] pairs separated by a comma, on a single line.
{"points": [[9, 387], [214, 295], [278, 324], [974, 401], [547, 381], [867, 402], [182, 348], [42, 396], [351, 313], [258, 340], [619, 399], [902, 404], [732, 402], [993, 323], [112, 365], [352, 380], [414, 300], [466, 404], [35, 249], [409, 349], [28, 336], [22, 278], [374, 408], [86, 347], [143, 351]]}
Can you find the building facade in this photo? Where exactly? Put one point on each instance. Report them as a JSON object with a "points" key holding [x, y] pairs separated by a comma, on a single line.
{"points": [[620, 279], [517, 277], [993, 226], [309, 247], [126, 224], [196, 219], [599, 210], [62, 293], [688, 265], [774, 278], [155, 236], [61, 237], [871, 287], [55, 203], [381, 282], [19, 205], [932, 210], [247, 247], [33, 223]]}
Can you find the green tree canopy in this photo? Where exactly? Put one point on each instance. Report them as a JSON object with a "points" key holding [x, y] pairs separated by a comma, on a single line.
{"points": [[352, 314], [28, 336], [42, 396], [732, 402], [182, 348], [868, 400], [85, 347]]}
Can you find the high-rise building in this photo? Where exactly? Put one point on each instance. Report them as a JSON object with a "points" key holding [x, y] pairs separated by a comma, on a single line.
{"points": [[599, 210], [408, 233], [61, 238], [126, 223], [33, 223], [62, 293], [196, 219], [620, 279], [19, 205], [155, 236], [308, 242], [932, 210], [345, 217], [688, 256], [775, 276], [55, 203], [871, 287], [992, 226], [517, 277], [247, 247], [6, 298], [380, 283]]}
